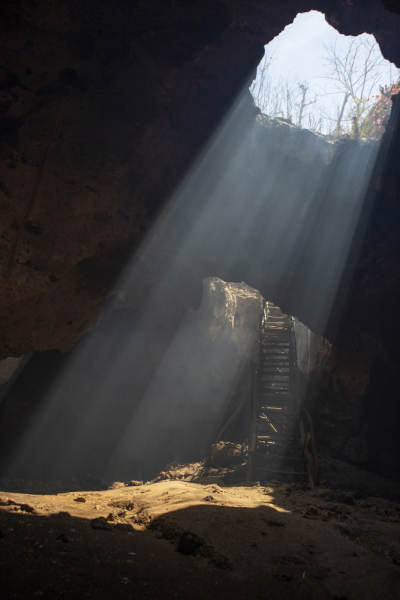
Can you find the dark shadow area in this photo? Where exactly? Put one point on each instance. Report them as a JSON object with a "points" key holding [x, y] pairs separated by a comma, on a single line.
{"points": [[28, 399]]}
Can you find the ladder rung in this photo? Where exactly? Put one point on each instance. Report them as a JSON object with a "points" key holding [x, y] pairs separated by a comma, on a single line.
{"points": [[273, 444], [276, 367], [291, 409], [274, 388], [274, 331], [280, 356], [281, 398], [298, 455], [274, 419], [279, 471], [280, 407], [269, 382], [277, 419], [273, 434], [272, 381], [269, 456], [275, 394], [266, 384], [274, 372], [276, 385], [269, 351], [283, 458], [272, 378], [282, 411], [270, 389], [276, 364], [279, 370], [265, 408], [280, 346]]}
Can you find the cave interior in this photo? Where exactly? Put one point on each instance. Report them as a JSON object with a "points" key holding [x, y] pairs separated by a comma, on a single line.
{"points": [[148, 211]]}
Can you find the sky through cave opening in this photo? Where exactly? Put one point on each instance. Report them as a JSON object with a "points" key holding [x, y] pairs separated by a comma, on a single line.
{"points": [[319, 79]]}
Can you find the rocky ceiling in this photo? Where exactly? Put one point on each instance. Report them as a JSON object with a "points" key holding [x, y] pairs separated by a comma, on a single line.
{"points": [[104, 105]]}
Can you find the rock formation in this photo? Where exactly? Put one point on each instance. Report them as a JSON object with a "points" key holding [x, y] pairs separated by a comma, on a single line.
{"points": [[231, 312]]}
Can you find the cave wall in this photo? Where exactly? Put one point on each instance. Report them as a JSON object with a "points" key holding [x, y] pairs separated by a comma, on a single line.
{"points": [[370, 294]]}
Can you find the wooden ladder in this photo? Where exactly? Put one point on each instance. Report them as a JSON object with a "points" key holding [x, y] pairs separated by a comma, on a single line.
{"points": [[276, 435]]}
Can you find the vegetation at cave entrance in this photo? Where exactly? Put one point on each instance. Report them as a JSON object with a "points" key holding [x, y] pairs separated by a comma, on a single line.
{"points": [[346, 104]]}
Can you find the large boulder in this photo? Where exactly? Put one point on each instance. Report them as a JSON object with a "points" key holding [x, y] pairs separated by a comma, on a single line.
{"points": [[231, 312]]}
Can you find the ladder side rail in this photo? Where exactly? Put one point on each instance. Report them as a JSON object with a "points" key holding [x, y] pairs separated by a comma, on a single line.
{"points": [[253, 425], [295, 367], [262, 321]]}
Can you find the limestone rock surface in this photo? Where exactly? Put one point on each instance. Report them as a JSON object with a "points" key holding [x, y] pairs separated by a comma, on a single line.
{"points": [[231, 312]]}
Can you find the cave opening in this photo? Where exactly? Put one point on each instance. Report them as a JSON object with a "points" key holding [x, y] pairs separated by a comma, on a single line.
{"points": [[313, 77]]}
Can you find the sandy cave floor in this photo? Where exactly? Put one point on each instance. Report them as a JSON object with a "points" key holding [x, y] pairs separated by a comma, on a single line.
{"points": [[179, 539]]}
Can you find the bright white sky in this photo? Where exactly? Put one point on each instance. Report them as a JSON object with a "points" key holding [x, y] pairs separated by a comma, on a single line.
{"points": [[299, 48], [298, 51]]}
